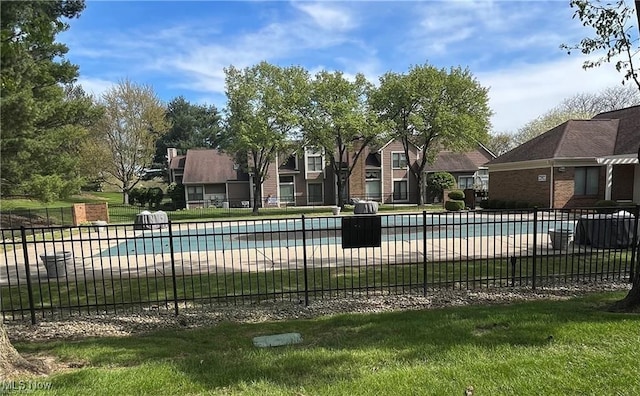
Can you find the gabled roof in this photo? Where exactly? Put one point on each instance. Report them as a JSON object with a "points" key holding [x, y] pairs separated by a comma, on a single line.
{"points": [[611, 133], [628, 137], [469, 161], [384, 146], [208, 167], [573, 139]]}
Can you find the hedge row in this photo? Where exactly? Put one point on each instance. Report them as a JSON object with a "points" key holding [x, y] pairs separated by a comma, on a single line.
{"points": [[500, 204]]}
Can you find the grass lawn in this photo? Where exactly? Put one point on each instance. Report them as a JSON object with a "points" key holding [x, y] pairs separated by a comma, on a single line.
{"points": [[120, 214], [570, 347], [129, 293], [24, 203]]}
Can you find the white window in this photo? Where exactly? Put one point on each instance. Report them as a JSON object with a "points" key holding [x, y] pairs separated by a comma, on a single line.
{"points": [[314, 159], [585, 180], [401, 190], [195, 193], [465, 182], [373, 186], [314, 163], [314, 193], [398, 160], [287, 189]]}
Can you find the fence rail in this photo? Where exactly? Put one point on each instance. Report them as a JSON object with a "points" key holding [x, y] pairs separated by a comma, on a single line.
{"points": [[114, 268]]}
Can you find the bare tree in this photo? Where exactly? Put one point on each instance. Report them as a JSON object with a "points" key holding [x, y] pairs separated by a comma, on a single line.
{"points": [[134, 118]]}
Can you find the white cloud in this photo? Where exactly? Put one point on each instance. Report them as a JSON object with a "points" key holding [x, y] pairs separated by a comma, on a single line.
{"points": [[327, 16], [95, 86], [523, 92]]}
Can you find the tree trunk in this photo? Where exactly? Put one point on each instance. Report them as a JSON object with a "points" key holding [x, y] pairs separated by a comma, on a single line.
{"points": [[340, 188], [257, 197], [631, 302], [420, 181], [11, 363]]}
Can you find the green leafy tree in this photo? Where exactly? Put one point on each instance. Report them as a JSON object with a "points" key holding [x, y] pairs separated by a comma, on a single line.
{"points": [[612, 41], [133, 120], [42, 117], [263, 106], [338, 121], [192, 126], [433, 109]]}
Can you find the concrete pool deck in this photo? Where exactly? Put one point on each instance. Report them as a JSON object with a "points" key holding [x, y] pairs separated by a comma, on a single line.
{"points": [[88, 264]]}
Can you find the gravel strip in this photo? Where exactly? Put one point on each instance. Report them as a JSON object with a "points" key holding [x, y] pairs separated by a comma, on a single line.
{"points": [[109, 325]]}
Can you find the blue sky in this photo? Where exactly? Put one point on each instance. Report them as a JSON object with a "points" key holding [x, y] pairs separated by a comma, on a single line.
{"points": [[181, 48]]}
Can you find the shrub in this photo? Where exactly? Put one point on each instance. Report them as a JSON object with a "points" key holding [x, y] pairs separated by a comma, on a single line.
{"points": [[510, 205], [154, 196], [522, 205], [136, 195], [606, 206], [439, 181], [484, 204], [499, 204], [456, 195], [454, 206], [176, 193]]}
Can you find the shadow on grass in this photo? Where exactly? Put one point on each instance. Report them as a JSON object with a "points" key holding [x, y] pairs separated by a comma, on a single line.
{"points": [[337, 347]]}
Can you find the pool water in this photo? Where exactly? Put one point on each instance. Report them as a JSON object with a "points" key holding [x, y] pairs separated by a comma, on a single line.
{"points": [[323, 231]]}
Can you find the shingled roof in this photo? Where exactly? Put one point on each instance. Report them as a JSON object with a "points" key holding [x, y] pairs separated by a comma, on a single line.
{"points": [[208, 167], [628, 137], [177, 162], [451, 161], [607, 134]]}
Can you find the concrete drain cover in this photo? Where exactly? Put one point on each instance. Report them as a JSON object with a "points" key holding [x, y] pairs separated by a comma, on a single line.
{"points": [[277, 340]]}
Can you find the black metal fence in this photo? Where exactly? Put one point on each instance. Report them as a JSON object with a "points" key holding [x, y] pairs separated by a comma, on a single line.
{"points": [[15, 218], [116, 268]]}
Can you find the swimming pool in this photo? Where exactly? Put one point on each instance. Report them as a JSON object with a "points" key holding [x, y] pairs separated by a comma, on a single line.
{"points": [[215, 236]]}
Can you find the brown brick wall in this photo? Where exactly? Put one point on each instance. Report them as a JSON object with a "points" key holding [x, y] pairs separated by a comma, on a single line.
{"points": [[389, 174], [357, 178], [523, 185], [563, 187], [520, 185], [270, 185], [85, 212]]}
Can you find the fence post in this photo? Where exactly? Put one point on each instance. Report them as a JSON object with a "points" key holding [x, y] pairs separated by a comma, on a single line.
{"points": [[304, 263], [173, 270], [23, 237], [634, 249], [535, 244], [424, 253]]}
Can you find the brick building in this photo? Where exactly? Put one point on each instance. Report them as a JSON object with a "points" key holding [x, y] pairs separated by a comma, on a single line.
{"points": [[574, 164]]}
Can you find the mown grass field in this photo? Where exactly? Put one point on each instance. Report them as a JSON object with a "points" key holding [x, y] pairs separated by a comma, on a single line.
{"points": [[59, 212], [571, 347], [116, 292]]}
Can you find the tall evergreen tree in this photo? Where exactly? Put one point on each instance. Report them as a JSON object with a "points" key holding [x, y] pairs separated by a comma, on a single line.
{"points": [[42, 125], [192, 126]]}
